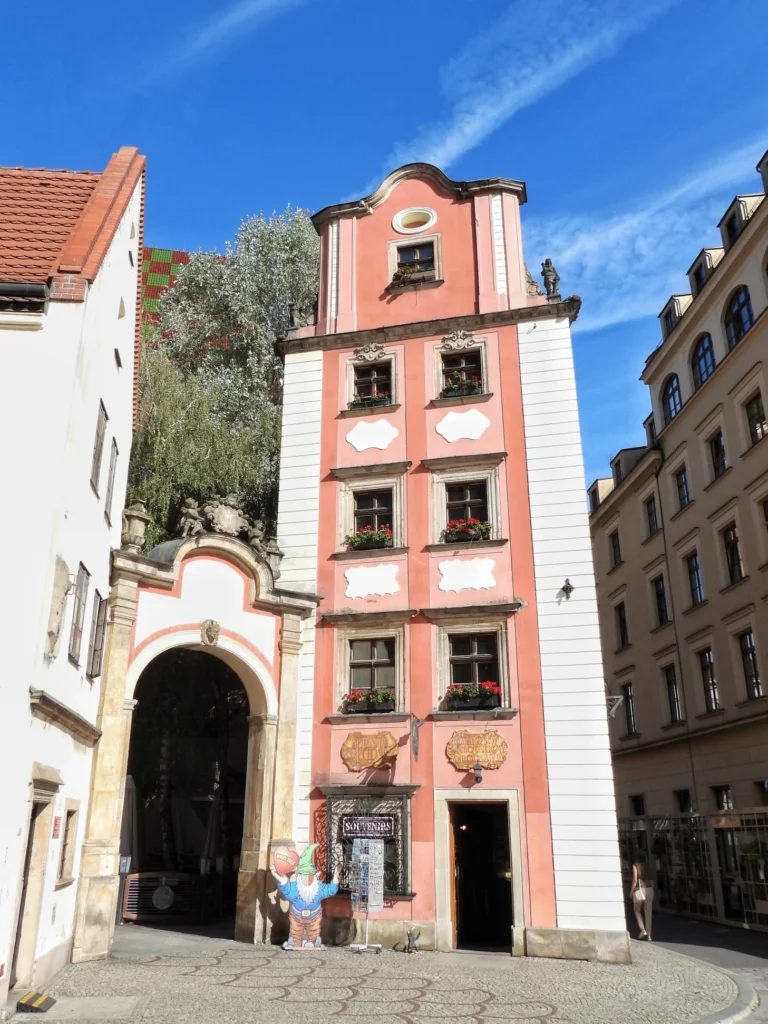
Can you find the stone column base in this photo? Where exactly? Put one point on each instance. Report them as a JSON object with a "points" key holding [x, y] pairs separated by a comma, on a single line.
{"points": [[578, 944]]}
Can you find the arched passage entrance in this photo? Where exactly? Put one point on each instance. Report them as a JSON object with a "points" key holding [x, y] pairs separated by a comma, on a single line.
{"points": [[208, 595], [182, 823]]}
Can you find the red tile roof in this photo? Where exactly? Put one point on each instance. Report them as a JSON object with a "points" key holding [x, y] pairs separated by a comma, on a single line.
{"points": [[56, 226], [38, 212]]}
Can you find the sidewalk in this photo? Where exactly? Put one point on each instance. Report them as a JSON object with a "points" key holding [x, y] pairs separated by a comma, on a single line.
{"points": [[170, 978], [742, 953]]}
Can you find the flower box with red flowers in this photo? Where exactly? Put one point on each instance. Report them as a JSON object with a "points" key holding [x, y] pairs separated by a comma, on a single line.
{"points": [[369, 702], [371, 401], [457, 386], [473, 696], [463, 530], [368, 537]]}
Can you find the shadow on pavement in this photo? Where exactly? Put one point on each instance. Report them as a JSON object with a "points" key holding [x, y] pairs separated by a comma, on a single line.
{"points": [[714, 943]]}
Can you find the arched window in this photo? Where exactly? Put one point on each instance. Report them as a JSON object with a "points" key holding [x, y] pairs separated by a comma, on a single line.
{"points": [[738, 316], [702, 360], [671, 403]]}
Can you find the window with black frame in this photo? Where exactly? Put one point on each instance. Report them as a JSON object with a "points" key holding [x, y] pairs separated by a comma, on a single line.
{"points": [[717, 453], [373, 510], [683, 488], [466, 511], [732, 549], [738, 316], [652, 516], [372, 385], [709, 680], [756, 422], [421, 257], [749, 663], [473, 658], [673, 694], [382, 816], [702, 361], [462, 373], [372, 663]]}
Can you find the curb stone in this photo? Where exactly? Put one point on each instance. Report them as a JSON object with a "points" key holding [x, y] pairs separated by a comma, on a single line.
{"points": [[740, 1009]]}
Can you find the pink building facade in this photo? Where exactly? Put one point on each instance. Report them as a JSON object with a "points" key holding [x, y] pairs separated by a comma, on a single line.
{"points": [[435, 388]]}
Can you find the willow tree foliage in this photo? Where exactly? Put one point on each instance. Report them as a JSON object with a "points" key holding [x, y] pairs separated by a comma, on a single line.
{"points": [[211, 385]]}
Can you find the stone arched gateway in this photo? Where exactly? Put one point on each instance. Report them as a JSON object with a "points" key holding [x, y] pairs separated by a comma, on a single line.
{"points": [[210, 593]]}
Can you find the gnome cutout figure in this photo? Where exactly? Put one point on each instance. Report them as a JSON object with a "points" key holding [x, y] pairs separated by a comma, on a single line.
{"points": [[305, 893]]}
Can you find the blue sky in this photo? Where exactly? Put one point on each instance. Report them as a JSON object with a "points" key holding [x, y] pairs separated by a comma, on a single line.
{"points": [[632, 130]]}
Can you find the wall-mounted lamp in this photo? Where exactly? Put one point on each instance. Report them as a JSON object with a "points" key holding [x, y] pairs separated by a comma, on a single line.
{"points": [[568, 588], [478, 770]]}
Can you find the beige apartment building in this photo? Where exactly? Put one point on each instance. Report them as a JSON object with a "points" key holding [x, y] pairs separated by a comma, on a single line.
{"points": [[680, 540]]}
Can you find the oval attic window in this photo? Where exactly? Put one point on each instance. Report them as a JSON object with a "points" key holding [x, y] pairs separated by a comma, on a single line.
{"points": [[417, 218]]}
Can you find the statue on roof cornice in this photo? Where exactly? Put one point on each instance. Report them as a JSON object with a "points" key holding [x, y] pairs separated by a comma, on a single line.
{"points": [[551, 279]]}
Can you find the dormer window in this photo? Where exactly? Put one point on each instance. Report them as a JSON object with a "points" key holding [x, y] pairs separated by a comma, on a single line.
{"points": [[732, 227], [670, 319], [699, 277]]}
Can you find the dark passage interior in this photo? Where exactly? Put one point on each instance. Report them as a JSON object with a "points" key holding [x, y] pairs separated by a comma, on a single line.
{"points": [[482, 876], [183, 814]]}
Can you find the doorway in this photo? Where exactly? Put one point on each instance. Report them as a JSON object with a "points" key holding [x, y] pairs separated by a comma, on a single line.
{"points": [[33, 881], [482, 876], [185, 795]]}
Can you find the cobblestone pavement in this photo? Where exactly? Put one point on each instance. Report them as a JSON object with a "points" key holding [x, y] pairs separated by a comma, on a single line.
{"points": [[231, 983]]}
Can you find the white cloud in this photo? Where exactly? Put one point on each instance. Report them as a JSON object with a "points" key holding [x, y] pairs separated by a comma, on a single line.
{"points": [[529, 52], [231, 22], [626, 266]]}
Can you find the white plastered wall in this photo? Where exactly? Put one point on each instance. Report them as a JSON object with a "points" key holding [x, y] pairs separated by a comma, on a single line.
{"points": [[51, 381], [584, 833], [297, 536]]}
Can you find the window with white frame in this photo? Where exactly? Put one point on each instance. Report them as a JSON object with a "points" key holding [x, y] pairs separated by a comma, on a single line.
{"points": [[466, 504], [414, 261], [471, 654], [371, 511], [460, 368], [371, 382], [370, 667]]}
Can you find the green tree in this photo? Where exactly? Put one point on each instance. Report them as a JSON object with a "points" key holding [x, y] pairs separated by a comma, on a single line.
{"points": [[210, 383]]}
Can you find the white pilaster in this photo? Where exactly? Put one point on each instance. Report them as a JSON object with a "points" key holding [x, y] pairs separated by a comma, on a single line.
{"points": [[584, 833], [297, 536]]}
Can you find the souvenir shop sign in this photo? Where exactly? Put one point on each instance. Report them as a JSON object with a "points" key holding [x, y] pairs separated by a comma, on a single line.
{"points": [[466, 749], [369, 750], [368, 826]]}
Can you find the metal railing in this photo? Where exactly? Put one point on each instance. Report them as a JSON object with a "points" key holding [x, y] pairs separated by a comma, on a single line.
{"points": [[712, 866]]}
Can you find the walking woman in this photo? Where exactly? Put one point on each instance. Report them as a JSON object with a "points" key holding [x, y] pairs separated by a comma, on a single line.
{"points": [[641, 894]]}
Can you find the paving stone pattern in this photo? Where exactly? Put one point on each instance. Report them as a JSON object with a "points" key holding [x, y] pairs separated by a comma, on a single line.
{"points": [[232, 983]]}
